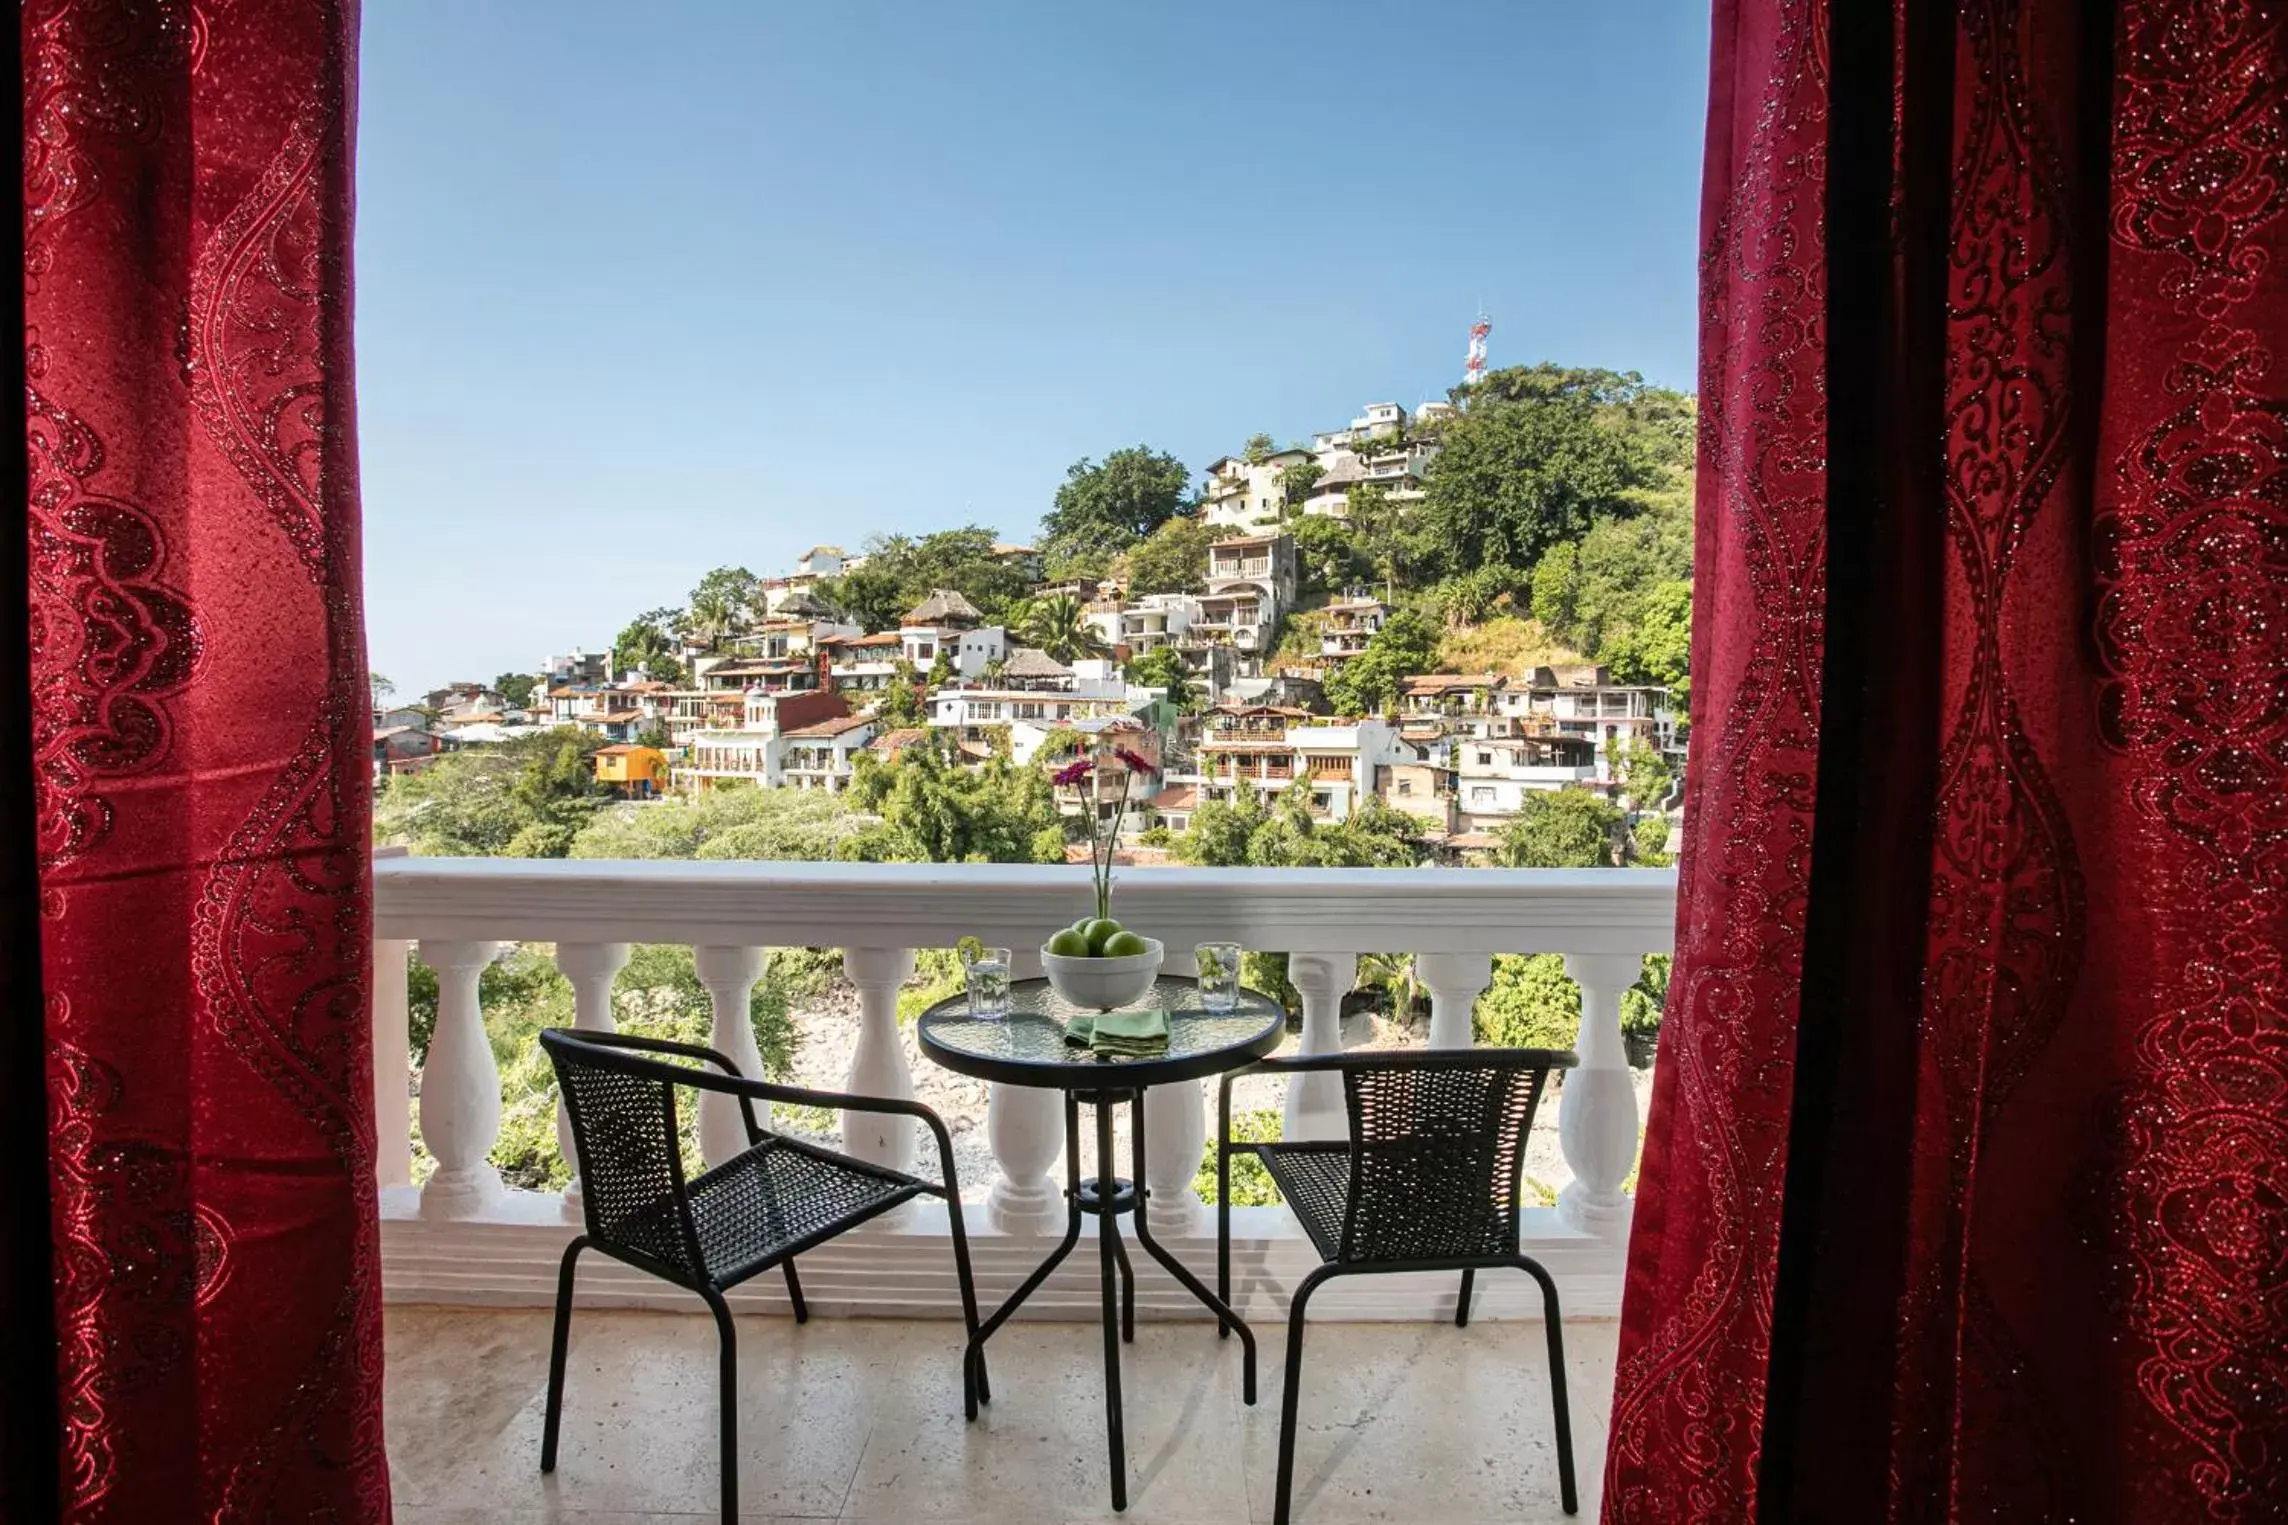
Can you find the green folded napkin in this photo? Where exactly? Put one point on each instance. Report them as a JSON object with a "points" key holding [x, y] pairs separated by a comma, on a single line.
{"points": [[1080, 1029], [1130, 1034]]}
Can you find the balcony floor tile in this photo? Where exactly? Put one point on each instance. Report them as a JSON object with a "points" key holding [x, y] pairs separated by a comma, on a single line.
{"points": [[861, 1419]]}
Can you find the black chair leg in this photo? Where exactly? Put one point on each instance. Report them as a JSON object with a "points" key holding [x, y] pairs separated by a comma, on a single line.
{"points": [[730, 1382], [794, 1293], [1554, 1322], [556, 1346], [1462, 1307], [1289, 1397]]}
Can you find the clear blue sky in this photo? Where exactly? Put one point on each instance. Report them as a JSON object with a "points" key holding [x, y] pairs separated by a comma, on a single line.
{"points": [[636, 300]]}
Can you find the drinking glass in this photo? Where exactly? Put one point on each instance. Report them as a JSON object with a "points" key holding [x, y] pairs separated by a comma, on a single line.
{"points": [[988, 976], [1219, 976]]}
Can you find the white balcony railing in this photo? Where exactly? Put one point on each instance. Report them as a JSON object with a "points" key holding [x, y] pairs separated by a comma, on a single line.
{"points": [[463, 1236]]}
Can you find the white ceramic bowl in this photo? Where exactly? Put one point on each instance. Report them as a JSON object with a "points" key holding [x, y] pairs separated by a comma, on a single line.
{"points": [[1104, 983]]}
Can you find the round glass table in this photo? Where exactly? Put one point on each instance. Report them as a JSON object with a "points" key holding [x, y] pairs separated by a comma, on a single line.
{"points": [[1028, 1047]]}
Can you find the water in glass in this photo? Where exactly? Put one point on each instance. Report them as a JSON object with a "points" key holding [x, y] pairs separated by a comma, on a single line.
{"points": [[1219, 976], [989, 983]]}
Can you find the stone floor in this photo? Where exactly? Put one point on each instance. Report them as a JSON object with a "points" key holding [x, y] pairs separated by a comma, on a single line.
{"points": [[861, 1420]]}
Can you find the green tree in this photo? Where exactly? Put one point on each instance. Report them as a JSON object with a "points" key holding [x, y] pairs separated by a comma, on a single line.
{"points": [[1657, 646], [796, 824], [1556, 588], [648, 641], [1174, 557], [1648, 843], [1369, 683], [1643, 774], [869, 596], [900, 706], [383, 689], [1059, 626], [935, 811], [1327, 553], [1382, 529], [717, 609], [526, 797], [1532, 1003], [1257, 450], [1559, 828], [1531, 461], [515, 689], [960, 560], [1163, 668], [1105, 508], [1296, 482]]}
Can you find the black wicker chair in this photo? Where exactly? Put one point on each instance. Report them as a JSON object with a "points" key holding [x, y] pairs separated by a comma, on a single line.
{"points": [[1427, 1182], [710, 1232]]}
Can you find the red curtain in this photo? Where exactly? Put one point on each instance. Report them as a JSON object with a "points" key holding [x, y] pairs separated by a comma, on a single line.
{"points": [[1965, 1193], [201, 742]]}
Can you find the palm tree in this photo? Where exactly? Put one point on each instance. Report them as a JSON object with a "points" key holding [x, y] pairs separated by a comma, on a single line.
{"points": [[1060, 627], [712, 617]]}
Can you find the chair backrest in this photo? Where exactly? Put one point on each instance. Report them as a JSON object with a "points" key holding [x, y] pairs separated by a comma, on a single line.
{"points": [[627, 1147], [1437, 1143]]}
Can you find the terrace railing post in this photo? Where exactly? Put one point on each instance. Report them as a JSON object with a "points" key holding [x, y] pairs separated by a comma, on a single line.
{"points": [[1176, 1121], [1024, 1126], [879, 1067], [729, 975], [392, 1066], [460, 1086], [591, 967], [1597, 1107], [1455, 980], [1315, 1100]]}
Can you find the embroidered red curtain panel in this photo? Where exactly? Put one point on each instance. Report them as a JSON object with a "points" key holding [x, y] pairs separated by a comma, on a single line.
{"points": [[1965, 1192], [201, 743]]}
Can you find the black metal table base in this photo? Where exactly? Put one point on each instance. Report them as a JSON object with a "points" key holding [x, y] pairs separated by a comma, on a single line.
{"points": [[1118, 1278]]}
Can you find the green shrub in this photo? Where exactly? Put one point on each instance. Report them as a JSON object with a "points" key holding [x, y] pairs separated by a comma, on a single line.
{"points": [[1533, 1003], [1250, 1182]]}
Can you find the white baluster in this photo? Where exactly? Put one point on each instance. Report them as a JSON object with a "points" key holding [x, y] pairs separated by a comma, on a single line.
{"points": [[1175, 1135], [392, 1066], [1597, 1109], [1025, 1127], [1315, 1110], [591, 967], [1455, 980], [729, 975], [460, 1086], [878, 1067]]}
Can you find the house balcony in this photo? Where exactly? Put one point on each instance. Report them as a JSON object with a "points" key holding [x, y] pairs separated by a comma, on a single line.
{"points": [[863, 1418]]}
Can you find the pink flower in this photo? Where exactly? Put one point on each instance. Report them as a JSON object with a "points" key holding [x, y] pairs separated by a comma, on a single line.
{"points": [[1072, 773], [1135, 763]]}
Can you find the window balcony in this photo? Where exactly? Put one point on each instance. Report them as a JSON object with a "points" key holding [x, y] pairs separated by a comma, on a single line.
{"points": [[487, 1253]]}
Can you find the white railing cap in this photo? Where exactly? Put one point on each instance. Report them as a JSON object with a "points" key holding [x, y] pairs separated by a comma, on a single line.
{"points": [[1434, 910]]}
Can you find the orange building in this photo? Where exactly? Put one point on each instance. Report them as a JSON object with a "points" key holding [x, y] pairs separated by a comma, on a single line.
{"points": [[636, 773]]}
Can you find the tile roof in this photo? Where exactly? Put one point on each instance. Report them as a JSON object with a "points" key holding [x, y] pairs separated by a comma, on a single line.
{"points": [[834, 727], [1442, 682], [897, 740], [1176, 797]]}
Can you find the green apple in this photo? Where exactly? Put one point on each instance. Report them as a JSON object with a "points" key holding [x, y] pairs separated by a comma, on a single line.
{"points": [[1070, 943], [1099, 932], [1125, 945]]}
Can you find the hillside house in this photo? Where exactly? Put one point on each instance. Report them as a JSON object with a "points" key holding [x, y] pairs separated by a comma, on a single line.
{"points": [[819, 756], [1493, 775], [632, 772], [1582, 701], [1351, 622], [754, 750]]}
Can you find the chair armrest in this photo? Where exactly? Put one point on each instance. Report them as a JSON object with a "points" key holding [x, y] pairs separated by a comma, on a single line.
{"points": [[733, 1083]]}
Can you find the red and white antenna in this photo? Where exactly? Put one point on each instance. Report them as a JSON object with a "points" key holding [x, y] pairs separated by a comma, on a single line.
{"points": [[1474, 368]]}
